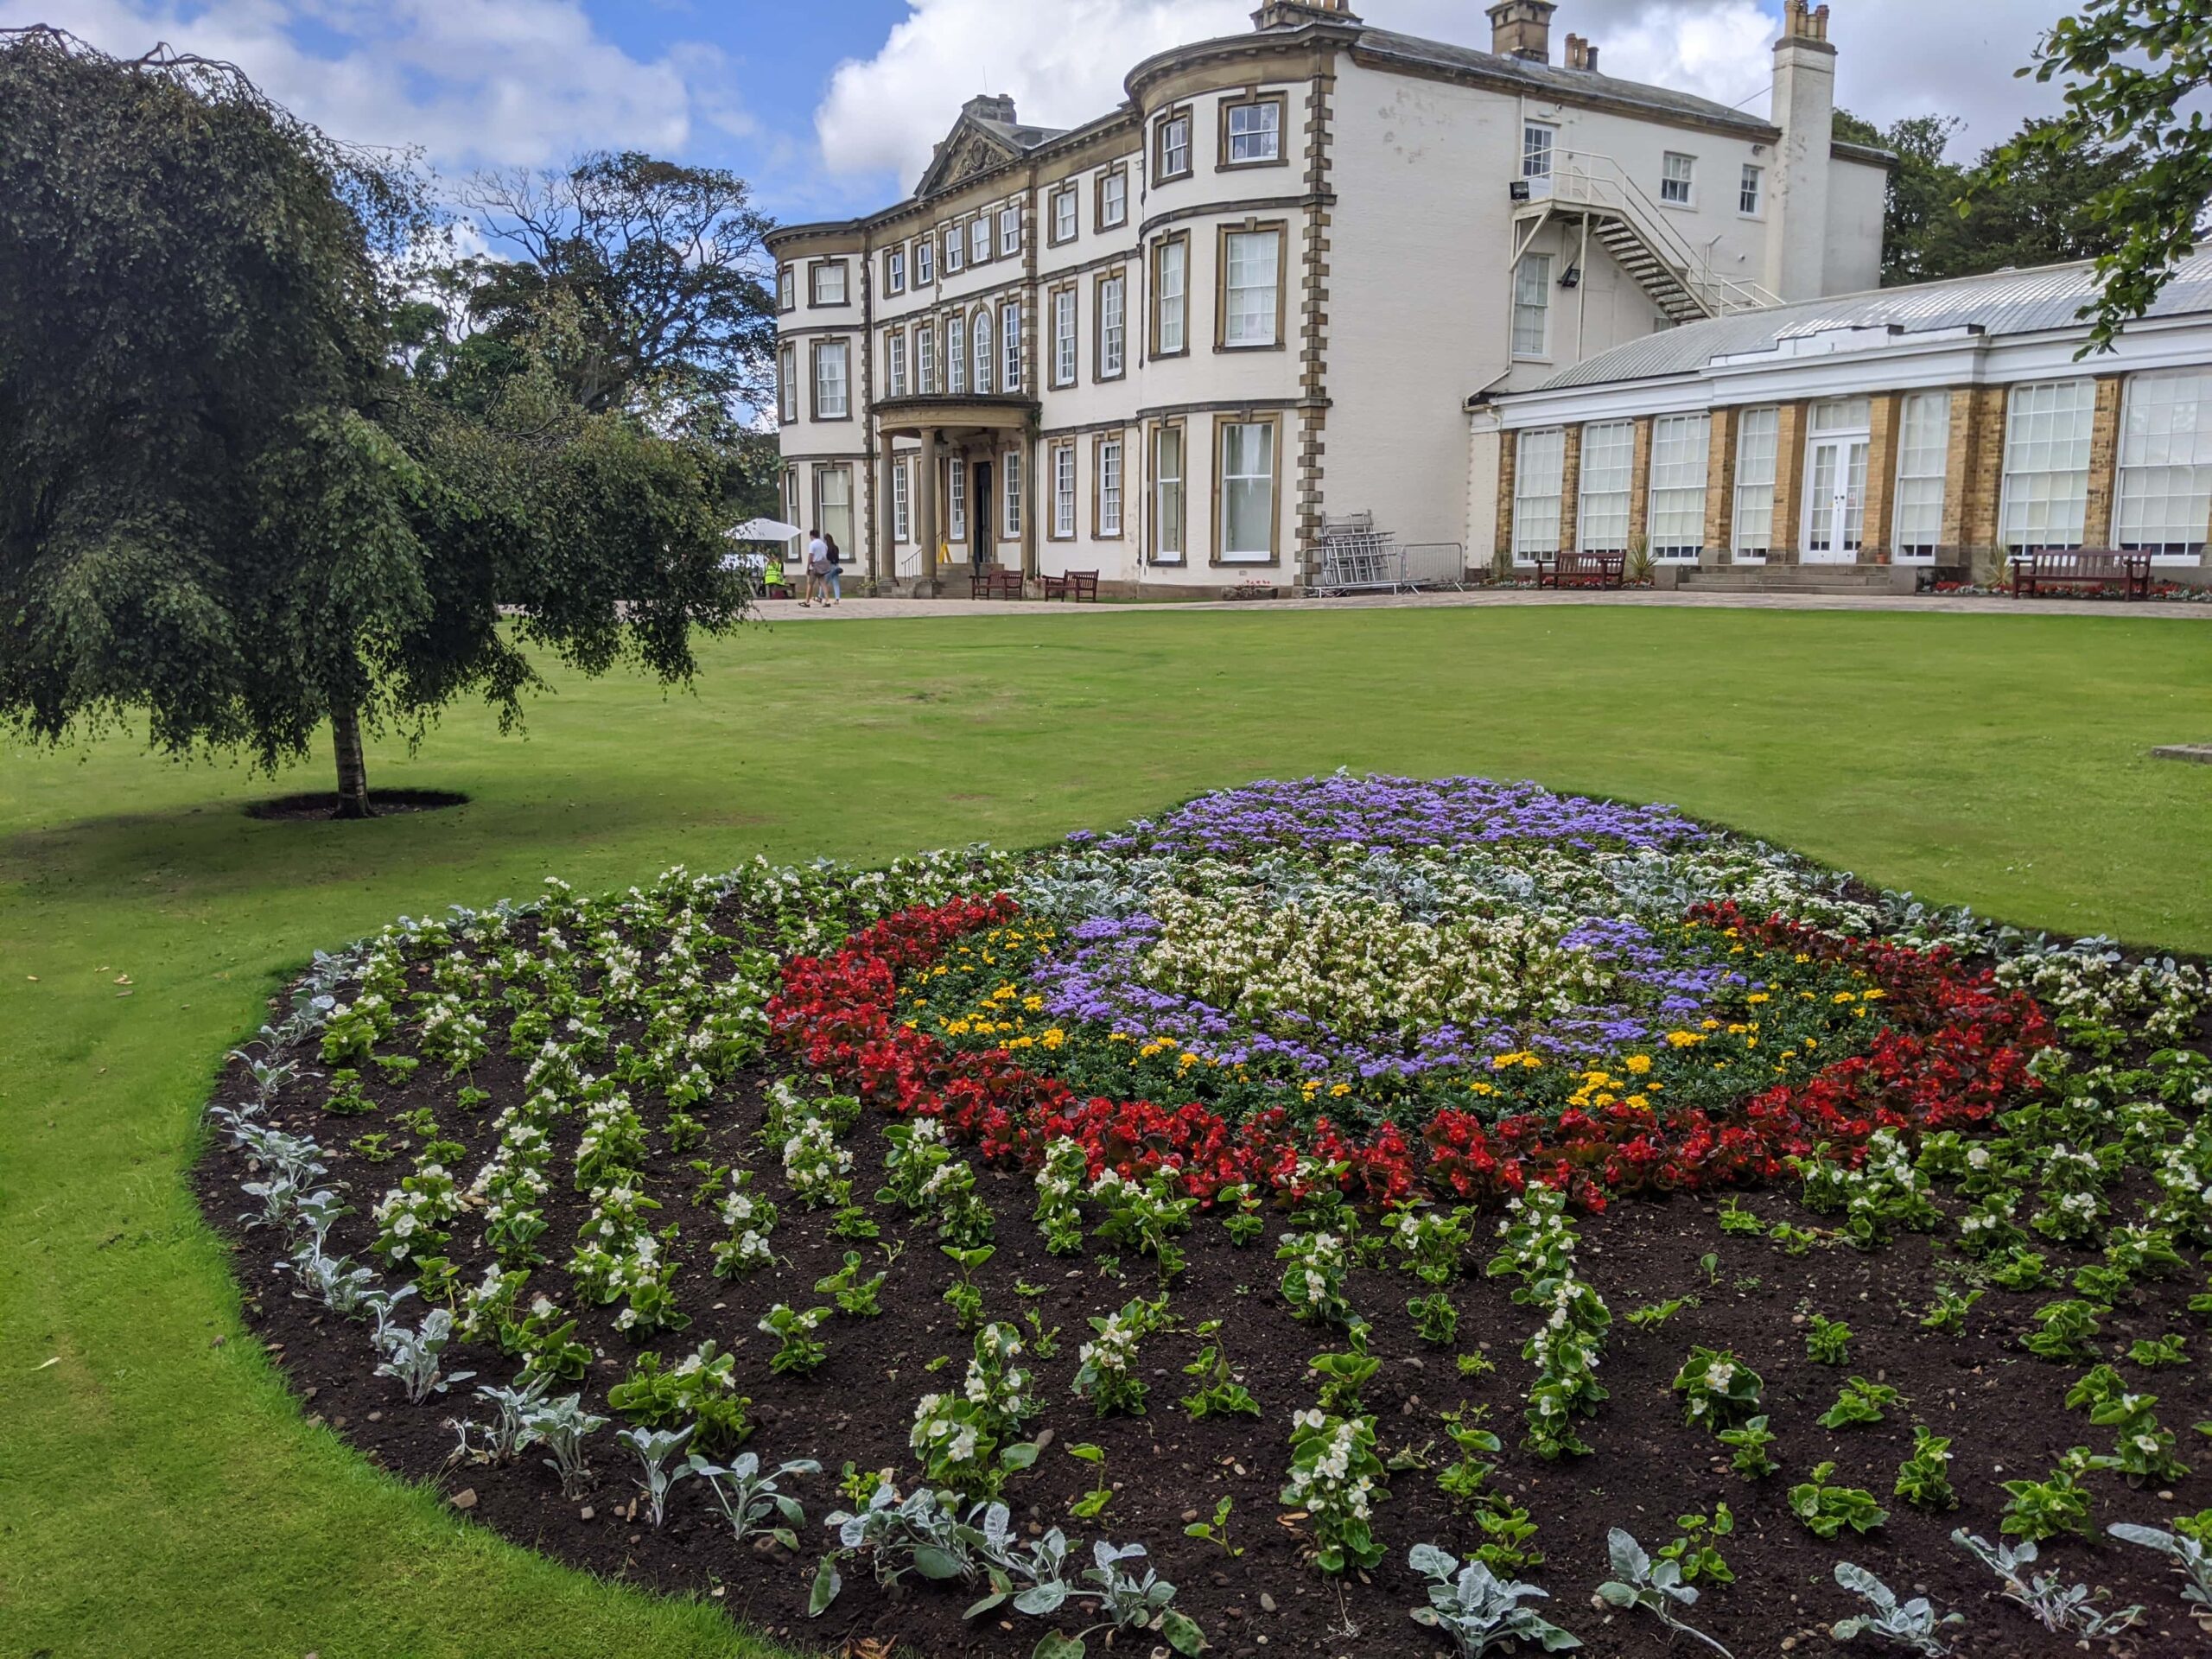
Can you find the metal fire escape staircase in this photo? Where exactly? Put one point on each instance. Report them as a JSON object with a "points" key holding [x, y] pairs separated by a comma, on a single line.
{"points": [[1593, 192]]}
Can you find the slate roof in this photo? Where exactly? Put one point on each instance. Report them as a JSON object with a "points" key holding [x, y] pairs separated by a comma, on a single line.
{"points": [[1556, 79], [2033, 301]]}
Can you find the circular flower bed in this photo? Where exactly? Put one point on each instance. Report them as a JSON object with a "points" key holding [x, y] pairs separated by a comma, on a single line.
{"points": [[1454, 986], [940, 1253]]}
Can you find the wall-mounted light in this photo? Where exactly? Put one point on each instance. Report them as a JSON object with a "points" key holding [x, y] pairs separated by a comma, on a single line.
{"points": [[1571, 277], [1518, 189]]}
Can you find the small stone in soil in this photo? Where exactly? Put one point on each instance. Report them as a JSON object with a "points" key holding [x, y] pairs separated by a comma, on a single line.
{"points": [[1266, 1602], [586, 1513], [464, 1499]]}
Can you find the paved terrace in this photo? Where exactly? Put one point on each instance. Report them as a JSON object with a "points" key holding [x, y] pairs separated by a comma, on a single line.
{"points": [[786, 610]]}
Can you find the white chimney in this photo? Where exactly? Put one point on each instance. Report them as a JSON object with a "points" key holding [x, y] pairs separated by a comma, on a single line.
{"points": [[1797, 197]]}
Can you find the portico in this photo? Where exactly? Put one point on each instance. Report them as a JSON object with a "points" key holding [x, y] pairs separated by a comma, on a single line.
{"points": [[950, 475]]}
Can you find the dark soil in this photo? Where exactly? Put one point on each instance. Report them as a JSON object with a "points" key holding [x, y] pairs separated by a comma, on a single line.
{"points": [[2003, 1408], [309, 808]]}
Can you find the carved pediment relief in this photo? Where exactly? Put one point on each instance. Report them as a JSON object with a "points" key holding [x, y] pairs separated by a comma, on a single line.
{"points": [[970, 150]]}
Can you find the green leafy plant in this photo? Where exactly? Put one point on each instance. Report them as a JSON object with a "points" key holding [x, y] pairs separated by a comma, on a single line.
{"points": [[1827, 1342], [2063, 1609], [1734, 1218], [1947, 1312], [798, 1354], [1825, 1510], [1695, 1551], [1089, 1506], [1652, 1315], [1219, 1394], [964, 1295], [1216, 1531], [1336, 1479], [2036, 1509], [1860, 1402], [1716, 1389], [1435, 1320], [2171, 1349], [854, 1295], [2190, 1555], [1924, 1478], [1750, 1441], [2065, 1331]]}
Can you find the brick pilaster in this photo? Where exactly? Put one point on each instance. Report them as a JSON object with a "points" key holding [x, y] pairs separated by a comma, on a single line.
{"points": [[1639, 487], [1974, 474], [1886, 411], [1570, 488], [1789, 482], [1720, 487], [1508, 469], [2097, 524]]}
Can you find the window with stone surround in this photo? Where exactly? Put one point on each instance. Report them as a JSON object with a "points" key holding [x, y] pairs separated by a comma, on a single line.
{"points": [[1758, 433], [1539, 477], [2046, 496], [1924, 458], [1167, 494], [1680, 450], [2165, 464], [1608, 466]]}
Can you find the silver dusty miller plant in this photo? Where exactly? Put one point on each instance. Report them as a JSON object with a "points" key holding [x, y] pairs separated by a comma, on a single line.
{"points": [[2063, 1609], [1480, 1611], [1909, 1624], [1656, 1587]]}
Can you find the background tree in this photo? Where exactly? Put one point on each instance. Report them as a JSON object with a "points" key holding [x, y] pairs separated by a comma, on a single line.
{"points": [[663, 267], [223, 503], [2128, 65], [1943, 218]]}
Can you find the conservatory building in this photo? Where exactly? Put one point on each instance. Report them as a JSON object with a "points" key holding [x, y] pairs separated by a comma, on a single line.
{"points": [[1877, 439], [1300, 276]]}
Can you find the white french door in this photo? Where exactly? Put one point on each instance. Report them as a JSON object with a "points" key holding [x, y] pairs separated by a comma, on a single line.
{"points": [[1835, 500]]}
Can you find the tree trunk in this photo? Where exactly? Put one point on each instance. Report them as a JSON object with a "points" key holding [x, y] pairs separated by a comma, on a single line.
{"points": [[352, 768]]}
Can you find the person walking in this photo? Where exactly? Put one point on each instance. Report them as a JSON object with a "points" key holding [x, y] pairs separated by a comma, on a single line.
{"points": [[831, 590], [817, 567]]}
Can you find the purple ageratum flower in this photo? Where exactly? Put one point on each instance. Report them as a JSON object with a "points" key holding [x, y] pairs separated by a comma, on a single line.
{"points": [[1380, 810]]}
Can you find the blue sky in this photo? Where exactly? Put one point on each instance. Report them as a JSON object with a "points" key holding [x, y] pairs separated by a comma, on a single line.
{"points": [[830, 107]]}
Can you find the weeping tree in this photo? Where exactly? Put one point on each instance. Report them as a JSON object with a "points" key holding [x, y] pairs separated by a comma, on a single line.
{"points": [[226, 506]]}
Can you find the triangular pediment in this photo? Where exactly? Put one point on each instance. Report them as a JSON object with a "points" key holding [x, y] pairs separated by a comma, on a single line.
{"points": [[969, 149]]}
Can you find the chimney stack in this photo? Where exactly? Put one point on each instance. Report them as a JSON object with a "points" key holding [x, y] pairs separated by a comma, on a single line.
{"points": [[1804, 109], [1522, 28], [1297, 14], [990, 107], [1582, 54]]}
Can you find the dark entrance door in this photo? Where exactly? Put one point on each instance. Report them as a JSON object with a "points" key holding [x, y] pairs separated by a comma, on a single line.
{"points": [[979, 516]]}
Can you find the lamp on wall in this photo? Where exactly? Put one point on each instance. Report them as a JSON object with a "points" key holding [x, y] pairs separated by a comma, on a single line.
{"points": [[1518, 189], [1571, 277]]}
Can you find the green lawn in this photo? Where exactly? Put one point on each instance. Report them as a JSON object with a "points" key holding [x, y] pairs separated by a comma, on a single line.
{"points": [[162, 1494]]}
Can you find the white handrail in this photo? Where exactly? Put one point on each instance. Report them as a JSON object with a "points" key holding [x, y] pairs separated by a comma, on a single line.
{"points": [[1587, 179]]}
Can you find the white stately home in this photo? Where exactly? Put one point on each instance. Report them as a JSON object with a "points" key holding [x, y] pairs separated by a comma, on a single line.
{"points": [[1277, 287]]}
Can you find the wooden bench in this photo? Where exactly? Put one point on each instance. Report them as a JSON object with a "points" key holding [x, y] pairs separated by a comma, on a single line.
{"points": [[1583, 570], [1080, 586], [994, 581], [2084, 567]]}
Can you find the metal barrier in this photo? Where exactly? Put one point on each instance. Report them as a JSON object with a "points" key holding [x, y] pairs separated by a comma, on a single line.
{"points": [[1360, 563], [1436, 564]]}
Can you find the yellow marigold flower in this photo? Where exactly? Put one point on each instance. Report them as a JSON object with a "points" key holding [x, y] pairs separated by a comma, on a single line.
{"points": [[1873, 994], [1055, 1037], [1638, 1102], [1638, 1063], [1757, 996], [1338, 1091]]}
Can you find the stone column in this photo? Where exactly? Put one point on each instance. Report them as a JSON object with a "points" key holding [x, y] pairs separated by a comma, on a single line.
{"points": [[1790, 483], [2097, 525], [1886, 411], [886, 495], [925, 516], [1720, 489]]}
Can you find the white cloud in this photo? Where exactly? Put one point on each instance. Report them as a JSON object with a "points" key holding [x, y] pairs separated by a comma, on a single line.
{"points": [[473, 82], [1064, 60]]}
